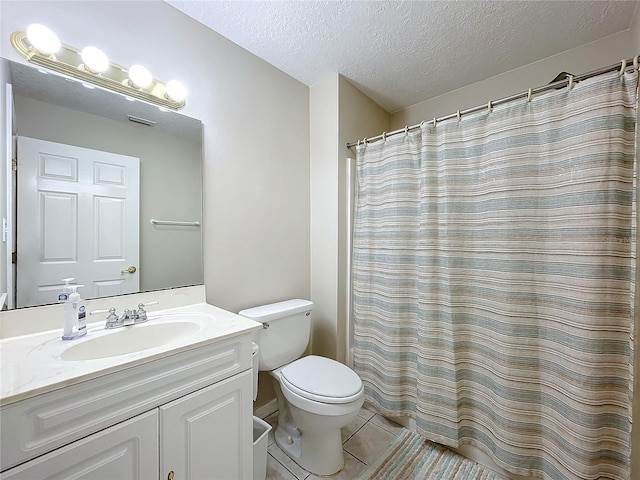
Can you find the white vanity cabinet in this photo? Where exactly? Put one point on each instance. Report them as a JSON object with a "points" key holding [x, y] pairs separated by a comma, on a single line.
{"points": [[189, 413], [202, 435], [125, 451]]}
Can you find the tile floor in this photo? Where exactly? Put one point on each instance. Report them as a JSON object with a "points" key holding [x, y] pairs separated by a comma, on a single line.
{"points": [[362, 440]]}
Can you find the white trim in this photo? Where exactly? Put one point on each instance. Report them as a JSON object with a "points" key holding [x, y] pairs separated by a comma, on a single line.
{"points": [[350, 198], [267, 409], [8, 214]]}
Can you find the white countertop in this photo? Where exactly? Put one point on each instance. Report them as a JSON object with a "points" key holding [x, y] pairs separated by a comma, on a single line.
{"points": [[31, 364]]}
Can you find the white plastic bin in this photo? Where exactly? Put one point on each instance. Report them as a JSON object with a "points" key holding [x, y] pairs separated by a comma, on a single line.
{"points": [[261, 431]]}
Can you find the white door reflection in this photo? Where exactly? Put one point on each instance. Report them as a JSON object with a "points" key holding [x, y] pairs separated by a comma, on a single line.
{"points": [[77, 217]]}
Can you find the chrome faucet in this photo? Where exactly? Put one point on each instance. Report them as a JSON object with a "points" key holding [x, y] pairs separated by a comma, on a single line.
{"points": [[128, 317]]}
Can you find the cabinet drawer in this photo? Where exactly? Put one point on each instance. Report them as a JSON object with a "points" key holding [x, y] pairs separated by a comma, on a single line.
{"points": [[40, 424]]}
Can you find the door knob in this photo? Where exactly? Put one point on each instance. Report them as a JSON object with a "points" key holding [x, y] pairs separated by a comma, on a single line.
{"points": [[131, 269]]}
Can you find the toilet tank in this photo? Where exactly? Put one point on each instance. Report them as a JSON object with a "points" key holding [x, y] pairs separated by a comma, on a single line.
{"points": [[285, 333]]}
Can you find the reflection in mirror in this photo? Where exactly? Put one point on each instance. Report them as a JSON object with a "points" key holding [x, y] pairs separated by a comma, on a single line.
{"points": [[92, 170]]}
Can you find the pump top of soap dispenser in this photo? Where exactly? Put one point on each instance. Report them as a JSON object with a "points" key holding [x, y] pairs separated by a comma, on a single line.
{"points": [[66, 290]]}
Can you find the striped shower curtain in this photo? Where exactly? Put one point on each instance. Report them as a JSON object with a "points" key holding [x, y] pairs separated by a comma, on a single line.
{"points": [[494, 277]]}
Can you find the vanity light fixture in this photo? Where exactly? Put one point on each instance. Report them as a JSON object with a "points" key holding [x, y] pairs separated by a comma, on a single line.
{"points": [[42, 47], [94, 60], [140, 77], [43, 39], [176, 91]]}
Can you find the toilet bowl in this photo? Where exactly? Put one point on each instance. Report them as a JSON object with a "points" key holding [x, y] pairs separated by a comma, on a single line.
{"points": [[311, 416], [316, 396]]}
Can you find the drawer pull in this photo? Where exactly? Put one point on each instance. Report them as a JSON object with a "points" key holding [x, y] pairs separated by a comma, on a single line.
{"points": [[171, 475]]}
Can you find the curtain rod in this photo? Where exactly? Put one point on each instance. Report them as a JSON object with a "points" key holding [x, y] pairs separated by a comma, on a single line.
{"points": [[569, 81]]}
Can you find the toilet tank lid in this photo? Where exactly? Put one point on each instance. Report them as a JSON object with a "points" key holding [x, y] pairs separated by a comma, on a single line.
{"points": [[269, 312]]}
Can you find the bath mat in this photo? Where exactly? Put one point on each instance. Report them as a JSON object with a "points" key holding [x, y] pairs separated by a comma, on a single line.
{"points": [[411, 457]]}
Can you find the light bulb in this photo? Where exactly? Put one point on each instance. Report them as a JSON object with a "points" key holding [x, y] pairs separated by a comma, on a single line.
{"points": [[43, 39], [175, 91], [140, 76], [94, 60]]}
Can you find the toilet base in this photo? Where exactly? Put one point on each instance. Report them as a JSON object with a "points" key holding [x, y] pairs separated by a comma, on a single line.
{"points": [[319, 454]]}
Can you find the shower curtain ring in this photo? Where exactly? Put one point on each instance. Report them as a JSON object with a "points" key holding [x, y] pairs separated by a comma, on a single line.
{"points": [[384, 136], [529, 95], [570, 84], [490, 107], [434, 121], [459, 116], [635, 62], [623, 67], [406, 129]]}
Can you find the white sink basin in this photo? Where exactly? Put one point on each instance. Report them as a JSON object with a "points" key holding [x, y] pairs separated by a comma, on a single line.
{"points": [[131, 339]]}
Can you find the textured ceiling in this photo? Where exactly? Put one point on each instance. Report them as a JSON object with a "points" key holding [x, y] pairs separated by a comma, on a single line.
{"points": [[402, 52]]}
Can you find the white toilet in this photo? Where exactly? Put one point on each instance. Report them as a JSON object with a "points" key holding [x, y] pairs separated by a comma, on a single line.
{"points": [[317, 396]]}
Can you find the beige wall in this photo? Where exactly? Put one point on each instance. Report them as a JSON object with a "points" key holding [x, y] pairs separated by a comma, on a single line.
{"points": [[339, 113], [323, 109], [256, 137], [578, 60], [168, 257]]}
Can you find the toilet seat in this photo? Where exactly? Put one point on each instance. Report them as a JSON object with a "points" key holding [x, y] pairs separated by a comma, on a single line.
{"points": [[322, 380]]}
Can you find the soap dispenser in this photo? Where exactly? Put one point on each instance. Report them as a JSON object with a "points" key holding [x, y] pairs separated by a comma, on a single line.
{"points": [[75, 324]]}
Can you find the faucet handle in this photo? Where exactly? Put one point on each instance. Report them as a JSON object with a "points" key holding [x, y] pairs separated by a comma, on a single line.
{"points": [[142, 305], [141, 313], [112, 320]]}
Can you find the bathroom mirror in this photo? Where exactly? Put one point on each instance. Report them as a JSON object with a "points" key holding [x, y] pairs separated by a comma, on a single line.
{"points": [[54, 111]]}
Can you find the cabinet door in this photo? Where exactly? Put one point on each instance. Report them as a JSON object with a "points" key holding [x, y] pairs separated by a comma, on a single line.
{"points": [[128, 450], [208, 434]]}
